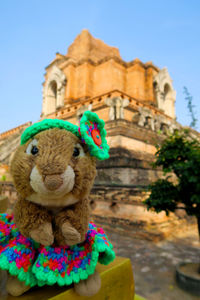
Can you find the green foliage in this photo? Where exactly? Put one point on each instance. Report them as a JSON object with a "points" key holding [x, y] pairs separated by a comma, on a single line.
{"points": [[3, 178], [163, 196], [190, 107], [180, 154]]}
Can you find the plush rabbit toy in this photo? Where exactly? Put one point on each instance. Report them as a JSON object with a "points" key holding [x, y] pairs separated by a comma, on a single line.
{"points": [[50, 239]]}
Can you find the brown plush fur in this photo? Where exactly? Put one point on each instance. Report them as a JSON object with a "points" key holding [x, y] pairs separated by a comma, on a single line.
{"points": [[67, 222]]}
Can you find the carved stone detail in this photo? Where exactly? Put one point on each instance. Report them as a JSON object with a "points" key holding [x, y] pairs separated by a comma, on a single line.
{"points": [[145, 118], [54, 91], [81, 111], [117, 105], [136, 117], [165, 93]]}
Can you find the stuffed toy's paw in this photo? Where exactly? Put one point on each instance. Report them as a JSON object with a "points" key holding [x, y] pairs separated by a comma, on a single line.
{"points": [[90, 286], [43, 234], [15, 287], [70, 234]]}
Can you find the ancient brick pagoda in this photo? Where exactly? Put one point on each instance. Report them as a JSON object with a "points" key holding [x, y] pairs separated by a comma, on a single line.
{"points": [[92, 75], [136, 101]]}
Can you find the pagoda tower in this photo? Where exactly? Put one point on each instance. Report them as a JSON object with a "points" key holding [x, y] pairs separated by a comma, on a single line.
{"points": [[137, 102], [93, 75]]}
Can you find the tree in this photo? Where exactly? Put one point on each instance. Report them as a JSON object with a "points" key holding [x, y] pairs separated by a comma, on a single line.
{"points": [[190, 107], [180, 154]]}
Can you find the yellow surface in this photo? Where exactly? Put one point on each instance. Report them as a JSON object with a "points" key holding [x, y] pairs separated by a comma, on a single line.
{"points": [[139, 298], [117, 283]]}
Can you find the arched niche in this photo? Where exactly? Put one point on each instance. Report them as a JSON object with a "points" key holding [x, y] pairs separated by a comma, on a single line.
{"points": [[164, 92], [51, 97], [54, 91]]}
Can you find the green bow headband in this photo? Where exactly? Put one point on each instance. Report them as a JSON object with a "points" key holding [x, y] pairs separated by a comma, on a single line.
{"points": [[91, 132]]}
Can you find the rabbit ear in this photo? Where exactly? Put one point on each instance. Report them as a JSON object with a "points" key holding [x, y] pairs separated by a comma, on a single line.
{"points": [[93, 134]]}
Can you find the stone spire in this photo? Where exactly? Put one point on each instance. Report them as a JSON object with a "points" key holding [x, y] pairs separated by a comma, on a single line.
{"points": [[85, 46]]}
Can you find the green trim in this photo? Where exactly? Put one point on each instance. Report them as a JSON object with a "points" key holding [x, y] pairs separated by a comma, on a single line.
{"points": [[47, 124], [51, 277], [27, 277], [36, 276], [101, 154], [88, 116]]}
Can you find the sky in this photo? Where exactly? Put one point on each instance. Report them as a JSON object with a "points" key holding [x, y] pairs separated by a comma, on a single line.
{"points": [[31, 32]]}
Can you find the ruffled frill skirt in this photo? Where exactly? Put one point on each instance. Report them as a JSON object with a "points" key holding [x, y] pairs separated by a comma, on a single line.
{"points": [[36, 264]]}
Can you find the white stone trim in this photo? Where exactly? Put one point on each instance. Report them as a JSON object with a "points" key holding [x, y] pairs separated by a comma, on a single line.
{"points": [[50, 104], [117, 105], [166, 102]]}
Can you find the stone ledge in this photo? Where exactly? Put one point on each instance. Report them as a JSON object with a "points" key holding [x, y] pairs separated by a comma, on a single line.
{"points": [[117, 283]]}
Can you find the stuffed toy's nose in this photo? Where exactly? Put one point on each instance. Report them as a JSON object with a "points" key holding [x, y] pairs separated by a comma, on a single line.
{"points": [[53, 182]]}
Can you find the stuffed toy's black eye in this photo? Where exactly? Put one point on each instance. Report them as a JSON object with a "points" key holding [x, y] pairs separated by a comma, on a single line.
{"points": [[76, 152], [34, 150]]}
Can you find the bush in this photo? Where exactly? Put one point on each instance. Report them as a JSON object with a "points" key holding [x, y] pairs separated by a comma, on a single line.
{"points": [[180, 154]]}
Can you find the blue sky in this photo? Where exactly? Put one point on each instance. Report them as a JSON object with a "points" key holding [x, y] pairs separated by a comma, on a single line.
{"points": [[31, 32]]}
